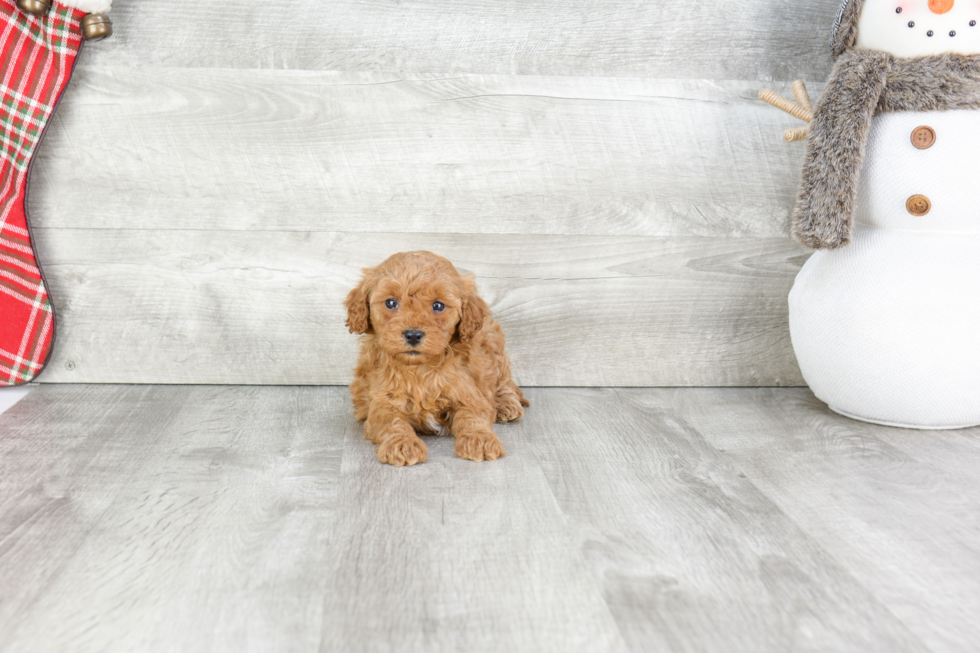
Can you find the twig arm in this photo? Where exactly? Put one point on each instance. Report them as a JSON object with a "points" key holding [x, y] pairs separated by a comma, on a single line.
{"points": [[798, 134], [802, 97], [790, 107]]}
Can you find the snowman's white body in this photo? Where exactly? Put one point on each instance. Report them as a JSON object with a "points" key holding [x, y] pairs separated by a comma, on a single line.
{"points": [[887, 329]]}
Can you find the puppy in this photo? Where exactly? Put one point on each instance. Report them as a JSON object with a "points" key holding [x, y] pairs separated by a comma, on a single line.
{"points": [[432, 361]]}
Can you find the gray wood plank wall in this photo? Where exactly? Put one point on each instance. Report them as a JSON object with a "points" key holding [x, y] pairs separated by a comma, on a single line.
{"points": [[217, 175]]}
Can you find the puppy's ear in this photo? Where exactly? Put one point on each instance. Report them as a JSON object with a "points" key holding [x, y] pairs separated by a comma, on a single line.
{"points": [[358, 309], [474, 312]]}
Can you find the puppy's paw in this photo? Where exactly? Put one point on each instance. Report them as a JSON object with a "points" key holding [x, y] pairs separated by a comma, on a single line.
{"points": [[479, 447], [509, 410], [401, 450]]}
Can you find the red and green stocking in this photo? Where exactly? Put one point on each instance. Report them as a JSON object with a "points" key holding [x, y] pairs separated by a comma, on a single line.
{"points": [[37, 54]]}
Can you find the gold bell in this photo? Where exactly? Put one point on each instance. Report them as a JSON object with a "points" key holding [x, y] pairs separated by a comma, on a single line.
{"points": [[95, 27], [36, 7]]}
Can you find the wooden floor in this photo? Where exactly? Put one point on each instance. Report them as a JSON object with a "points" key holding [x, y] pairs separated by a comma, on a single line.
{"points": [[176, 518]]}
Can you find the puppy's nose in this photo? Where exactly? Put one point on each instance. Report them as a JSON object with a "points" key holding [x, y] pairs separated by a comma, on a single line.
{"points": [[413, 336]]}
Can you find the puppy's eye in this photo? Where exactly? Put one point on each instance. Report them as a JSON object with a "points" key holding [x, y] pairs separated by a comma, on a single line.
{"points": [[438, 307], [391, 304]]}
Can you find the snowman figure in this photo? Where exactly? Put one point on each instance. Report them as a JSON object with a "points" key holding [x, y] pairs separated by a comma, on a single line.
{"points": [[885, 316]]}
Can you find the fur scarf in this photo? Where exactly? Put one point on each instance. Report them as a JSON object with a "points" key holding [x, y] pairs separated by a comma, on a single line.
{"points": [[845, 27], [862, 84]]}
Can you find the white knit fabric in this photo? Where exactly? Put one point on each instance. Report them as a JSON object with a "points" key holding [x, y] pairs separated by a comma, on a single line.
{"points": [[887, 329], [89, 6], [946, 173]]}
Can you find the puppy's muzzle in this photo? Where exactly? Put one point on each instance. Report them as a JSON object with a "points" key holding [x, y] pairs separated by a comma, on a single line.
{"points": [[413, 336]]}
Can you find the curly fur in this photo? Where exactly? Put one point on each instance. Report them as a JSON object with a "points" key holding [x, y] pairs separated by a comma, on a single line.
{"points": [[457, 378], [863, 84]]}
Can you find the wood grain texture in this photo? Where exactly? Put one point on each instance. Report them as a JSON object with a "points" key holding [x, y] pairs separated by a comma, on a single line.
{"points": [[237, 518], [142, 306], [162, 519], [709, 39], [216, 175], [684, 543], [453, 556], [378, 152], [896, 507]]}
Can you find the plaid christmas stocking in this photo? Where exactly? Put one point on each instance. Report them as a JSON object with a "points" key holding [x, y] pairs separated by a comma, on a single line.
{"points": [[37, 54]]}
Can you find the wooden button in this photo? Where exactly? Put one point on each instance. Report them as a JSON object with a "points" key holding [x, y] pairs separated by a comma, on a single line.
{"points": [[918, 205], [924, 137]]}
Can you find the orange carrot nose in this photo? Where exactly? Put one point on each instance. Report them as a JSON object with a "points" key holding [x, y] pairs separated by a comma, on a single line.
{"points": [[940, 6]]}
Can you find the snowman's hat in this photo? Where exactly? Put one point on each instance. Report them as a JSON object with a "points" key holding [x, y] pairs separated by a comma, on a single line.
{"points": [[845, 27]]}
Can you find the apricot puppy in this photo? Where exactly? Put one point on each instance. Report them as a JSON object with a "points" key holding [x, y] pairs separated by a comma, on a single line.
{"points": [[432, 360]]}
